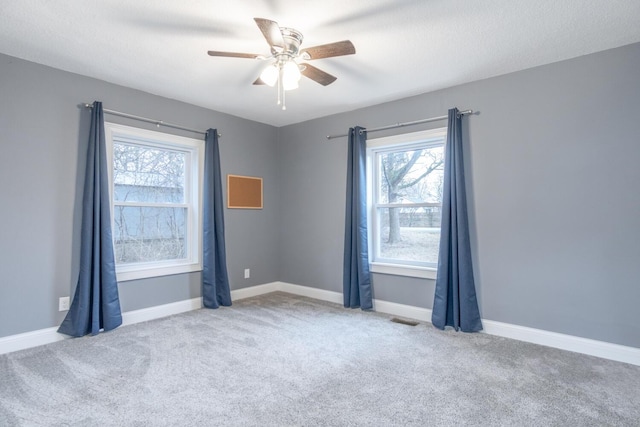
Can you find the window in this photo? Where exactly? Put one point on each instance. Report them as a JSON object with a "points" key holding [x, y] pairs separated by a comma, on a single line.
{"points": [[405, 177], [155, 181]]}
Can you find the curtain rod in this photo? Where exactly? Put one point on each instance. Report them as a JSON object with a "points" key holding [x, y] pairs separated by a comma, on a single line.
{"points": [[399, 125], [158, 123]]}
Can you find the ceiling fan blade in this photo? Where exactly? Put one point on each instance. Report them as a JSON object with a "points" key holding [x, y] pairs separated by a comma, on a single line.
{"points": [[233, 54], [317, 75], [344, 47], [271, 32]]}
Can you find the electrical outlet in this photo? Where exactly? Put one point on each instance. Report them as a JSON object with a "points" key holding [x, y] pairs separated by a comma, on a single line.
{"points": [[63, 304], [247, 273]]}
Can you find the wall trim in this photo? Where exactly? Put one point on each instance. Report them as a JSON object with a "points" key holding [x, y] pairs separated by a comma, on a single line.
{"points": [[30, 339], [50, 335], [402, 310], [602, 349], [254, 291], [158, 311], [315, 293]]}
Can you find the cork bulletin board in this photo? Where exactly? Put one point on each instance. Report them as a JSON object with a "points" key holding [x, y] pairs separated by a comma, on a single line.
{"points": [[244, 192]]}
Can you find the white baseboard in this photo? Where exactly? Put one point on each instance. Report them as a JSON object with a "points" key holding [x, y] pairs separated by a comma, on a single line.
{"points": [[601, 349], [605, 350], [290, 288], [50, 335], [402, 310], [158, 311], [254, 291], [30, 339], [381, 306], [314, 293]]}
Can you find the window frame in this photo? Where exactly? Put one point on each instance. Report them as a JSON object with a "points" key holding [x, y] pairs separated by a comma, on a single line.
{"points": [[194, 178], [406, 141]]}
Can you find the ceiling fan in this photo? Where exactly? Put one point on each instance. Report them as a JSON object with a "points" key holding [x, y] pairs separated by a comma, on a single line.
{"points": [[287, 66]]}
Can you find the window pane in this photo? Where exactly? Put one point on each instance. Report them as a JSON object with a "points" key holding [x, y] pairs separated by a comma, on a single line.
{"points": [[147, 174], [411, 176], [410, 234], [143, 234]]}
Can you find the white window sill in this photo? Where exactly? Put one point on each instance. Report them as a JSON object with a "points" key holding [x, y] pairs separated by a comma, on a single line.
{"points": [[403, 270], [123, 275]]}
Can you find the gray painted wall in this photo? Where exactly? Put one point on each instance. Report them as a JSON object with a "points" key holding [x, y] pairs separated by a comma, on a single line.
{"points": [[552, 163], [43, 147]]}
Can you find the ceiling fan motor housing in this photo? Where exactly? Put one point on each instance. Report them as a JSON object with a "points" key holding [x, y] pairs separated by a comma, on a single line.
{"points": [[292, 40]]}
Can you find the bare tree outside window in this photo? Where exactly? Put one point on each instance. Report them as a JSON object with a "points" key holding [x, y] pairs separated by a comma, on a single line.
{"points": [[404, 180], [149, 198], [409, 196]]}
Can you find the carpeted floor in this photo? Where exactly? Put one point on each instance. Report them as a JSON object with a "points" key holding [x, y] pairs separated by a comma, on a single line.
{"points": [[284, 360]]}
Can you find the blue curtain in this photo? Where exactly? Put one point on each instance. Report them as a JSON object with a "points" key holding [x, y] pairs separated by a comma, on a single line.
{"points": [[455, 302], [215, 280], [95, 303], [356, 278]]}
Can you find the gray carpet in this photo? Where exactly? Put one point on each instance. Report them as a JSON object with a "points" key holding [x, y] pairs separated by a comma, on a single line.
{"points": [[284, 360]]}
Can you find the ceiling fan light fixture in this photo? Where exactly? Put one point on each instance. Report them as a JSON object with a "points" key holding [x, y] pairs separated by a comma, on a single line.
{"points": [[270, 75], [290, 84], [290, 75], [285, 71]]}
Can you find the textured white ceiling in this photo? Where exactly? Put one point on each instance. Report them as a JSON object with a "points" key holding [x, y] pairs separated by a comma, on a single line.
{"points": [[403, 47]]}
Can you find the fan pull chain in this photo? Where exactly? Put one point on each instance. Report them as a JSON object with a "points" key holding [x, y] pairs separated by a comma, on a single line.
{"points": [[279, 84], [284, 106]]}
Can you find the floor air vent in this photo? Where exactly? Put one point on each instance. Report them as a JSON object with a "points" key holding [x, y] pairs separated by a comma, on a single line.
{"points": [[404, 322]]}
